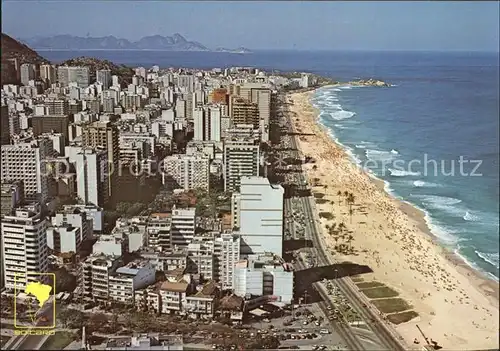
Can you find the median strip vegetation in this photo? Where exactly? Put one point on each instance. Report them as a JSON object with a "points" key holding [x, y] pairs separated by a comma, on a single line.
{"points": [[391, 305], [402, 317], [384, 299], [367, 285], [379, 292]]}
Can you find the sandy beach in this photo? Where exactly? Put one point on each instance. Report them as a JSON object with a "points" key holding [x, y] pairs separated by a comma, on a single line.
{"points": [[457, 306]]}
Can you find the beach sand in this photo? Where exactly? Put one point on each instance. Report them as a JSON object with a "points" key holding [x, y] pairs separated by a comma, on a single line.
{"points": [[457, 306]]}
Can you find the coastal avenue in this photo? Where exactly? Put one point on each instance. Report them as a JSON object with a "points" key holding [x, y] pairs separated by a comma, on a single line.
{"points": [[388, 338]]}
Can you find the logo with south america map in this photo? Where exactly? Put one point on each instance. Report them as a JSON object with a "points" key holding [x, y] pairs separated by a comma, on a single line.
{"points": [[34, 304]]}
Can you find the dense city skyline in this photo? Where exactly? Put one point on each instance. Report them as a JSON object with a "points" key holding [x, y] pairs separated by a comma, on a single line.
{"points": [[421, 26]]}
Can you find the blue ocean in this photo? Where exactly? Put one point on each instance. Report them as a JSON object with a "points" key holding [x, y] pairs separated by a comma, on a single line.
{"points": [[433, 136]]}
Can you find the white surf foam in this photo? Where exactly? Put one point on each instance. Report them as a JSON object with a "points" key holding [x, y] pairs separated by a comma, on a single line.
{"points": [[365, 144], [341, 114], [379, 155], [445, 204], [443, 233], [491, 258], [470, 217], [474, 265], [422, 184], [340, 126], [401, 173]]}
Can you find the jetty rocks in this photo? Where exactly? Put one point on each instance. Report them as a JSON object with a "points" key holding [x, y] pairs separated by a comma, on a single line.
{"points": [[369, 83]]}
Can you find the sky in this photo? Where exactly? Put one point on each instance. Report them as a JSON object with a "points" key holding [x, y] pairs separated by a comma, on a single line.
{"points": [[428, 26]]}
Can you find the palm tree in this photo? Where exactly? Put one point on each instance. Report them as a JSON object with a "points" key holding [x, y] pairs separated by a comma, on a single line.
{"points": [[350, 198], [341, 226], [350, 238]]}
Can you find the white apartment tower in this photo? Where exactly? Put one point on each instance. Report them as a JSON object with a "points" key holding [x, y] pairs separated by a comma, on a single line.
{"points": [[78, 75], [182, 227], [103, 76], [213, 124], [26, 161], [24, 246], [258, 212], [92, 177], [241, 158], [199, 123], [48, 73], [187, 171], [227, 254], [186, 81], [27, 73]]}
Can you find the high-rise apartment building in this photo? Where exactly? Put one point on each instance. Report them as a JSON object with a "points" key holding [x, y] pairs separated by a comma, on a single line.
{"points": [[24, 246], [199, 123], [241, 158], [103, 76], [187, 171], [258, 212], [57, 107], [48, 124], [104, 135], [92, 177], [186, 81], [78, 75], [4, 126], [158, 231], [28, 72], [243, 111], [180, 108], [213, 124], [141, 72], [48, 74], [227, 254], [182, 227], [26, 161], [12, 195]]}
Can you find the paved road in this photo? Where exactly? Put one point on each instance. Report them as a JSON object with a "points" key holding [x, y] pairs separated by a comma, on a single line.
{"points": [[386, 334], [32, 342], [343, 330]]}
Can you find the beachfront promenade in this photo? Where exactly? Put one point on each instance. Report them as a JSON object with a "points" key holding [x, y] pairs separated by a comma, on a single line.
{"points": [[385, 334]]}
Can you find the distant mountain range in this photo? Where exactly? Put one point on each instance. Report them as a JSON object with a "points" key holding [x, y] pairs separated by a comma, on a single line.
{"points": [[175, 42]]}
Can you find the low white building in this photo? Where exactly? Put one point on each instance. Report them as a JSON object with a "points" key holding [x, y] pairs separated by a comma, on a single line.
{"points": [[108, 245], [165, 261], [264, 275], [75, 218], [172, 296], [92, 211], [126, 280], [64, 239], [158, 231], [105, 277], [132, 231]]}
